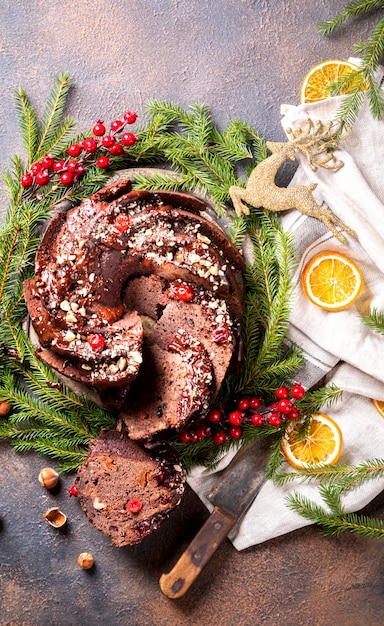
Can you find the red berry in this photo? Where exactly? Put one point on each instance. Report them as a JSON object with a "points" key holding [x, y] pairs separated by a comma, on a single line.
{"points": [[116, 150], [72, 166], [254, 403], [102, 162], [282, 393], [257, 419], [116, 124], [99, 128], [134, 505], [219, 437], [235, 432], [73, 491], [122, 222], [58, 166], [74, 150], [298, 391], [220, 334], [184, 293], [80, 170], [130, 117], [90, 145], [108, 141], [202, 432], [96, 341], [26, 180], [235, 418], [42, 177], [293, 414], [214, 416], [184, 436], [275, 419], [243, 404], [284, 406], [47, 161], [35, 168], [66, 178], [128, 139]]}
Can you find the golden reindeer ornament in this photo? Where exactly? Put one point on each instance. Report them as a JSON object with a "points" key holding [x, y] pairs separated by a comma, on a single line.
{"points": [[317, 142]]}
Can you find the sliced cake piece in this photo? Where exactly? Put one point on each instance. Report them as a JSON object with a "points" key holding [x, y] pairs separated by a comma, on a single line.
{"points": [[174, 383], [125, 491]]}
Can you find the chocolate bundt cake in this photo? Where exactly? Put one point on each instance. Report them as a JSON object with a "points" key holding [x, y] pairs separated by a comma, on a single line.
{"points": [[88, 258], [125, 491]]}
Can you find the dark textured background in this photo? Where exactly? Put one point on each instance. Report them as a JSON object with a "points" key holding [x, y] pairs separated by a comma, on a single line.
{"points": [[242, 58]]}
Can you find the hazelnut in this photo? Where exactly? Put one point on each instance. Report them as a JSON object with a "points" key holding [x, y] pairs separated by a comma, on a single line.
{"points": [[55, 517], [5, 408], [48, 477], [85, 560]]}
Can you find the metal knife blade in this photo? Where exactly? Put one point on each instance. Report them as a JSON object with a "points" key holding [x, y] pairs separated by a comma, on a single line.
{"points": [[242, 479], [238, 485]]}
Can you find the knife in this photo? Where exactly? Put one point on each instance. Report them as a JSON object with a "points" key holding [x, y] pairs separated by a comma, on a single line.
{"points": [[231, 496]]}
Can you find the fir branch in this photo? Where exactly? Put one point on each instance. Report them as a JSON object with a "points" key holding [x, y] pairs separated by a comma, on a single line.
{"points": [[203, 157], [374, 319], [336, 521], [342, 476], [316, 399], [46, 416], [53, 114], [372, 52], [238, 230], [267, 307], [62, 136], [12, 180], [27, 122], [352, 9]]}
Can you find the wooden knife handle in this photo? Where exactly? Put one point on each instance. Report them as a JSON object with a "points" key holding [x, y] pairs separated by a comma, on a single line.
{"points": [[188, 567]]}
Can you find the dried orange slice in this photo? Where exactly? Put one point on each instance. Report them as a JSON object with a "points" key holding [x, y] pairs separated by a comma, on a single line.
{"points": [[332, 281], [320, 444], [379, 406], [316, 83]]}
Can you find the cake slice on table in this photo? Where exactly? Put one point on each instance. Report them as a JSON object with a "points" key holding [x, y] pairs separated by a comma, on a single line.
{"points": [[126, 492]]}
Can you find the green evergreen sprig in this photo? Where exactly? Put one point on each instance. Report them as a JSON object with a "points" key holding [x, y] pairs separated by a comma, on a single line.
{"points": [[334, 520], [374, 319], [342, 476], [47, 417], [267, 359], [206, 160], [363, 80]]}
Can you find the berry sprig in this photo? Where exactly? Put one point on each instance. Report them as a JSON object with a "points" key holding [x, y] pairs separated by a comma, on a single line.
{"points": [[222, 427], [97, 149]]}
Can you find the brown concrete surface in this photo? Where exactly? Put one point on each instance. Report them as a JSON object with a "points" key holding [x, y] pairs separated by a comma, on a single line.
{"points": [[242, 58]]}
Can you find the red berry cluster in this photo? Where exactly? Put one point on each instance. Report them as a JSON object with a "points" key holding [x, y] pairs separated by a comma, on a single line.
{"points": [[98, 148], [221, 427]]}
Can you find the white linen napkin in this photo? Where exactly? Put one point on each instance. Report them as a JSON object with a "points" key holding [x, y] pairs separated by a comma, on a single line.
{"points": [[336, 345]]}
